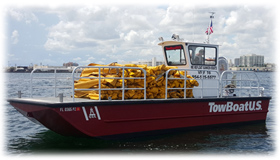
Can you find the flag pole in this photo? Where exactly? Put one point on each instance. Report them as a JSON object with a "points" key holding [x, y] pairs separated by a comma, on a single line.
{"points": [[207, 39], [208, 29]]}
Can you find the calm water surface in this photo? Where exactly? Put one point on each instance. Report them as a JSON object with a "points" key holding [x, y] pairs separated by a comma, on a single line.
{"points": [[23, 137]]}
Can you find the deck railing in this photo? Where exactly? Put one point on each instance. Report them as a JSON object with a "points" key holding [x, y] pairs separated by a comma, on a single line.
{"points": [[243, 83], [52, 76], [202, 89], [99, 89]]}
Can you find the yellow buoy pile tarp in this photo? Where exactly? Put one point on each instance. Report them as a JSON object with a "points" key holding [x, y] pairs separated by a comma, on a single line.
{"points": [[111, 79]]}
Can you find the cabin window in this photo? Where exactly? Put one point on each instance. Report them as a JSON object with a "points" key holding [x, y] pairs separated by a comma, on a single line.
{"points": [[175, 55], [201, 55]]}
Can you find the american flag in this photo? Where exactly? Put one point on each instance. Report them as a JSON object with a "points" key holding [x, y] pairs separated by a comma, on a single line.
{"points": [[209, 29]]}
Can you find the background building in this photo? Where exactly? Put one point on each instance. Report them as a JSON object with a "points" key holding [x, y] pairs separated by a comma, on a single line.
{"points": [[236, 62], [70, 64], [230, 64], [251, 60], [152, 62]]}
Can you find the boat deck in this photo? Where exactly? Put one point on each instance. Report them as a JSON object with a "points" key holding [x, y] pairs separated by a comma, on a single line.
{"points": [[54, 99], [68, 101]]}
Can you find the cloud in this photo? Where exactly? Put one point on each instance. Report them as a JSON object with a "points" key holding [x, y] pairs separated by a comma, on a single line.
{"points": [[10, 55], [131, 36], [110, 31], [127, 33], [23, 15], [14, 37], [81, 28], [232, 19], [77, 58]]}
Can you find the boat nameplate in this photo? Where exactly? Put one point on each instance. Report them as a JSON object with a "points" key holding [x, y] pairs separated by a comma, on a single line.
{"points": [[235, 107], [69, 109]]}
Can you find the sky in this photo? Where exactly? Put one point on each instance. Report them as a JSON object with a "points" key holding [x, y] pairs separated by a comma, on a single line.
{"points": [[108, 32]]}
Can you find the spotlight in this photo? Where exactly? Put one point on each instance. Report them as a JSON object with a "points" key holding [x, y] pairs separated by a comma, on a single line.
{"points": [[161, 39], [175, 37]]}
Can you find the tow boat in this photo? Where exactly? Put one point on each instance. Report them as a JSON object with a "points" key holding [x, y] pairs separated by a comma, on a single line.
{"points": [[222, 97]]}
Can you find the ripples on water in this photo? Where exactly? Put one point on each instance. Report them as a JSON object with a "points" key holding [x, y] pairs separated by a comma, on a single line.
{"points": [[24, 137]]}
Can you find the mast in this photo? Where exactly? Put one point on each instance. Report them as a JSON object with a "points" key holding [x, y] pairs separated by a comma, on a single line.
{"points": [[210, 27]]}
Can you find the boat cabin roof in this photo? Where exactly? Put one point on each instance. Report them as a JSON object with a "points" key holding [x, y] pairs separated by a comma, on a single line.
{"points": [[167, 43]]}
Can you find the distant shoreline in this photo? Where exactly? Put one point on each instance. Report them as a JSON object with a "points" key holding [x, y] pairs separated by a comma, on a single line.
{"points": [[38, 71], [70, 71]]}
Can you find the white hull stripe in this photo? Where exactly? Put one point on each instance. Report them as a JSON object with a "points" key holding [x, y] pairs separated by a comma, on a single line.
{"points": [[96, 110], [85, 113]]}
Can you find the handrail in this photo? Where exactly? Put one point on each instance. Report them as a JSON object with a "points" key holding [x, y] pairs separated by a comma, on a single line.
{"points": [[242, 79], [245, 77], [55, 79], [99, 78], [200, 79]]}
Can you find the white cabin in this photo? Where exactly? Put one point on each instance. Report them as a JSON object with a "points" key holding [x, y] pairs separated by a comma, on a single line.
{"points": [[203, 61]]}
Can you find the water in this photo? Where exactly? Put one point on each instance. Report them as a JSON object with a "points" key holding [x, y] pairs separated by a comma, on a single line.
{"points": [[23, 137]]}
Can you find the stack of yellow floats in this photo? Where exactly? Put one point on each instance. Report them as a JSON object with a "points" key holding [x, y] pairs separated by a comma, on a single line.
{"points": [[111, 79]]}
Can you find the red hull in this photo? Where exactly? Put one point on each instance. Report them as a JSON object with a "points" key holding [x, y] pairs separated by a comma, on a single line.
{"points": [[97, 119]]}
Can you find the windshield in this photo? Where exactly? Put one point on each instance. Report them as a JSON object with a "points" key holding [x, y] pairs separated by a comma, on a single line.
{"points": [[175, 55], [203, 55]]}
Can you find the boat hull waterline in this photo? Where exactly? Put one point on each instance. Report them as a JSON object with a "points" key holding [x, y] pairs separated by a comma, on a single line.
{"points": [[109, 118]]}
